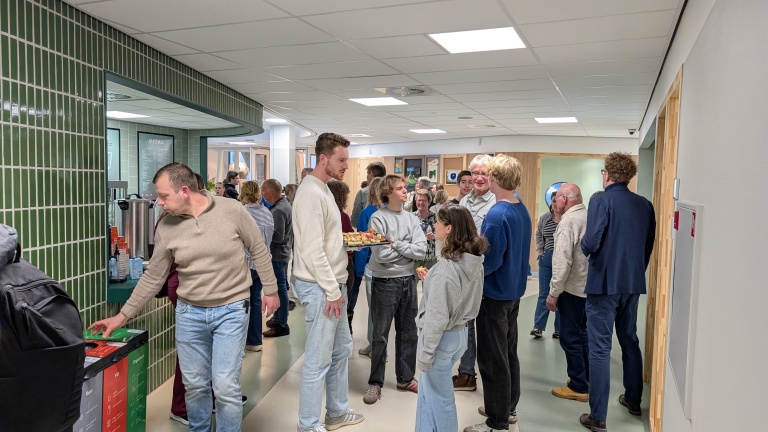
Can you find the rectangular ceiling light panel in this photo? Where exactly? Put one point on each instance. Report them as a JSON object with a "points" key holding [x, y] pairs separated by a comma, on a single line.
{"points": [[504, 38], [123, 115], [382, 101], [427, 131], [556, 119]]}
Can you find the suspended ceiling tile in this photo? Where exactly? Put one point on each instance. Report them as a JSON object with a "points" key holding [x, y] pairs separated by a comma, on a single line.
{"points": [[278, 32], [390, 80], [352, 69], [410, 19], [481, 75], [600, 29], [206, 62], [608, 67], [535, 84], [164, 46], [326, 52], [398, 46], [290, 96], [312, 7], [597, 51], [153, 15], [270, 86], [608, 91], [646, 78], [507, 95], [452, 62], [526, 11]]}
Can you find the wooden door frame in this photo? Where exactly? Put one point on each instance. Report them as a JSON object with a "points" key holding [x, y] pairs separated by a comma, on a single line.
{"points": [[660, 267]]}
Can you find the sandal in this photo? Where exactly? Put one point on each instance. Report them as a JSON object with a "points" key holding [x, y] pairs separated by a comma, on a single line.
{"points": [[411, 386]]}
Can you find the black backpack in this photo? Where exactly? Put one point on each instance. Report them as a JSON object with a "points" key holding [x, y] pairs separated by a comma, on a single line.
{"points": [[42, 349]]}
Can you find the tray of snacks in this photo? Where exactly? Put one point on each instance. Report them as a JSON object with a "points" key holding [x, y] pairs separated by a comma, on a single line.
{"points": [[364, 239]]}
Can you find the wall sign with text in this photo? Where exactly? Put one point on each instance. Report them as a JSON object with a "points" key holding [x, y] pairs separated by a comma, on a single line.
{"points": [[155, 151]]}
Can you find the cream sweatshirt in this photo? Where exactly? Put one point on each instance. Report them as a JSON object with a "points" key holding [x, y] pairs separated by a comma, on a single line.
{"points": [[318, 245], [569, 264], [210, 258]]}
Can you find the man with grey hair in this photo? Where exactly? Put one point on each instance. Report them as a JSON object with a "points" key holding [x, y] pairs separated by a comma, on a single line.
{"points": [[566, 292], [478, 202]]}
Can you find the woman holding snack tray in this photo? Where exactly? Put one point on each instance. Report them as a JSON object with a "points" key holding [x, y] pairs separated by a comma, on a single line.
{"points": [[453, 288]]}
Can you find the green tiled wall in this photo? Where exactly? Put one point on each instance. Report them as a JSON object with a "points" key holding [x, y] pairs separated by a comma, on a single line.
{"points": [[52, 146]]}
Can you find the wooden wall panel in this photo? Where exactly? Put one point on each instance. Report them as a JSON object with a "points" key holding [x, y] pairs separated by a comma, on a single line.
{"points": [[357, 173]]}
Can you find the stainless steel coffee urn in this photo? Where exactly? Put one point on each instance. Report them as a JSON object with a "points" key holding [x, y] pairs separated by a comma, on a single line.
{"points": [[137, 224]]}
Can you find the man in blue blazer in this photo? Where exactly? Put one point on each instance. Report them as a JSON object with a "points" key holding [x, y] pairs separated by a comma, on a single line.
{"points": [[621, 228]]}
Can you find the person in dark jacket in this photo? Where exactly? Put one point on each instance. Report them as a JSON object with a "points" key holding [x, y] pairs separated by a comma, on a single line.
{"points": [[282, 243], [621, 227], [230, 187]]}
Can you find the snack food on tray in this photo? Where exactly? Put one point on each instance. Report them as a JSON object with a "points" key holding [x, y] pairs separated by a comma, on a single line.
{"points": [[370, 237]]}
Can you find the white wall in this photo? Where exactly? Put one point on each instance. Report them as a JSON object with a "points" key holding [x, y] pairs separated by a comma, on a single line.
{"points": [[696, 12], [722, 166], [645, 161], [519, 143]]}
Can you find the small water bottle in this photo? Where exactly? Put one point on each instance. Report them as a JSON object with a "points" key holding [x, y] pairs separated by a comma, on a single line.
{"points": [[113, 273]]}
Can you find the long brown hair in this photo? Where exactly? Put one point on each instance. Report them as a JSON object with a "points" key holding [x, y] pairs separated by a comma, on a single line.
{"points": [[463, 237]]}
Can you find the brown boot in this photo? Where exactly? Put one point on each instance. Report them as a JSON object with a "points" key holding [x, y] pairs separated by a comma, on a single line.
{"points": [[464, 382]]}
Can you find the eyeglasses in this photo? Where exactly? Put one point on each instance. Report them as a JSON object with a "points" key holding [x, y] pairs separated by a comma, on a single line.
{"points": [[479, 173]]}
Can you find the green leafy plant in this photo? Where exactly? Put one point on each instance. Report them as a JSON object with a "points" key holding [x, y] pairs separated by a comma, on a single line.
{"points": [[211, 185]]}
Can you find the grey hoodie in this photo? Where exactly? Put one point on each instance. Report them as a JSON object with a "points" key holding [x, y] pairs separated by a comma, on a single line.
{"points": [[409, 243], [452, 294], [7, 244]]}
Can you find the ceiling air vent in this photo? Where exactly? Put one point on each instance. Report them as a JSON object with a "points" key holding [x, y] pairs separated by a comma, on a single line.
{"points": [[112, 96], [406, 91]]}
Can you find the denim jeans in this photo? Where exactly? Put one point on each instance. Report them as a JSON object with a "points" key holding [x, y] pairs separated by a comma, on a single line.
{"points": [[254, 322], [574, 341], [603, 311], [394, 298], [436, 406], [326, 357], [210, 344], [497, 359], [545, 277], [353, 294], [467, 363], [280, 269]]}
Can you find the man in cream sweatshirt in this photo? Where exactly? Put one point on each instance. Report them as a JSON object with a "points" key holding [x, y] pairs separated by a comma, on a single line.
{"points": [[320, 272], [566, 292], [201, 234]]}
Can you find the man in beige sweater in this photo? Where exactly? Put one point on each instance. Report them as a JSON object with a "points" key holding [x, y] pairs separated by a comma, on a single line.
{"points": [[320, 272], [201, 235], [566, 292]]}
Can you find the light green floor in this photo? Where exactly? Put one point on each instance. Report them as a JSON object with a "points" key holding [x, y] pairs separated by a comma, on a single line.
{"points": [[271, 379]]}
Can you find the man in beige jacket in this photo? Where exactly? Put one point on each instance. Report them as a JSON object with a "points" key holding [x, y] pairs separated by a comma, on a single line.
{"points": [[566, 292]]}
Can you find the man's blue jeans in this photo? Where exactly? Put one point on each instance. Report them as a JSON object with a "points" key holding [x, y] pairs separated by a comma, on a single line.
{"points": [[436, 406], [210, 343], [253, 335], [280, 269], [541, 315], [602, 312], [467, 364], [574, 340], [326, 356]]}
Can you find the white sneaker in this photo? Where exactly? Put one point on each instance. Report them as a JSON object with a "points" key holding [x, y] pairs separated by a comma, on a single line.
{"points": [[365, 351], [318, 428], [481, 427], [254, 348], [180, 419], [348, 418]]}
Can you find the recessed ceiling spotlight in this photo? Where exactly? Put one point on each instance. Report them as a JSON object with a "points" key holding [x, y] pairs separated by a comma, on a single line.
{"points": [[123, 115], [276, 120], [357, 136], [427, 131], [556, 119], [382, 101], [503, 38]]}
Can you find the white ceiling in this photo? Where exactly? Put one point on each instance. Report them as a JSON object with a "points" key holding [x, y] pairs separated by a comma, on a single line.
{"points": [[596, 60]]}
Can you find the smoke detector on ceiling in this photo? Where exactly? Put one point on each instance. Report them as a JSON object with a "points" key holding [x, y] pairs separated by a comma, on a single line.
{"points": [[112, 96], [406, 91]]}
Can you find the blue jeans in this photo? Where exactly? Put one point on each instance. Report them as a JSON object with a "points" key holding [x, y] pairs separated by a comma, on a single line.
{"points": [[545, 276], [326, 357], [467, 364], [602, 312], [394, 299], [210, 344], [574, 341], [254, 322], [280, 268], [436, 406]]}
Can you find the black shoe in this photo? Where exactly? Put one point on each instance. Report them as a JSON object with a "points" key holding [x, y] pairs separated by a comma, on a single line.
{"points": [[633, 409], [556, 335], [536, 333], [272, 322], [593, 425], [277, 331], [291, 305]]}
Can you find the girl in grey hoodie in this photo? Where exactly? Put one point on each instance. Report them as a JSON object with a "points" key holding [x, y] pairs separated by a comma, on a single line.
{"points": [[453, 288]]}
